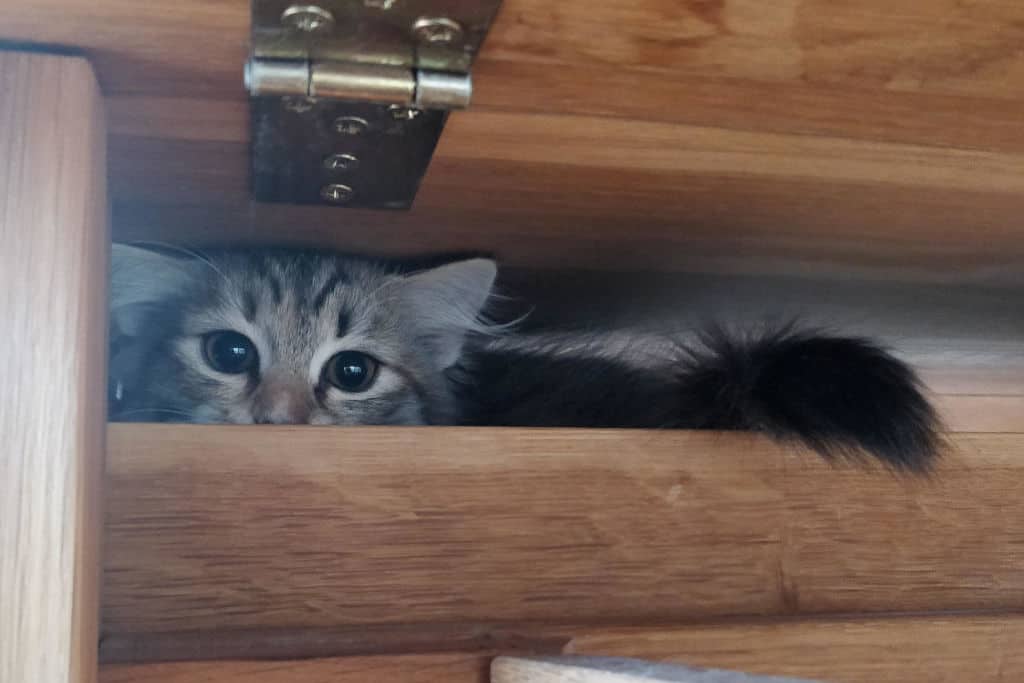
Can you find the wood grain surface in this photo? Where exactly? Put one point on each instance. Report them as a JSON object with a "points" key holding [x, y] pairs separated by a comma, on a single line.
{"points": [[923, 649], [725, 135], [558, 191], [240, 527], [195, 48], [445, 668], [584, 191], [53, 225]]}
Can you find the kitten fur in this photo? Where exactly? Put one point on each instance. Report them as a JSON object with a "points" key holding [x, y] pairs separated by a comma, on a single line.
{"points": [[442, 362]]}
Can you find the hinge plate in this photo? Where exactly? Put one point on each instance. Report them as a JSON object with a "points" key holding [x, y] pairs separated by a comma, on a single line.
{"points": [[349, 98], [395, 32], [341, 153]]}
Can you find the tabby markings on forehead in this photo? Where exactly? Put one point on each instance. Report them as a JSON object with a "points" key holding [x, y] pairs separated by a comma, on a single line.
{"points": [[249, 305], [328, 288], [344, 321], [265, 272]]}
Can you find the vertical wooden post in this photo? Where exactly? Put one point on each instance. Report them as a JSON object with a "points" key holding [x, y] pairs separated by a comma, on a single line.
{"points": [[53, 265]]}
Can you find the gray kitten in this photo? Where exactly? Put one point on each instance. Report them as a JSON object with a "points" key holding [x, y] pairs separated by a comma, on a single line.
{"points": [[315, 337], [290, 337]]}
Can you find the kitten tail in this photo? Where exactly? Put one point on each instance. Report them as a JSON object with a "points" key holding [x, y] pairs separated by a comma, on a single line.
{"points": [[839, 396]]}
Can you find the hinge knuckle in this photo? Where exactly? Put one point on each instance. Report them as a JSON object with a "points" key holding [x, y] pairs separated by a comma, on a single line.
{"points": [[362, 82], [280, 77], [439, 90]]}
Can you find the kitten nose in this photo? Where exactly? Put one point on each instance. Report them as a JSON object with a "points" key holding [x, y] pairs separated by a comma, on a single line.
{"points": [[282, 400]]}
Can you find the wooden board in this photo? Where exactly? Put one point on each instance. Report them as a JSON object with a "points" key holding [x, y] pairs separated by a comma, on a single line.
{"points": [[447, 668], [935, 649], [241, 527], [929, 648], [556, 191], [193, 48], [53, 228], [729, 135]]}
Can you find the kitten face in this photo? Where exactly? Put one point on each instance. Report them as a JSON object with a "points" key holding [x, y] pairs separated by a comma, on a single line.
{"points": [[277, 336]]}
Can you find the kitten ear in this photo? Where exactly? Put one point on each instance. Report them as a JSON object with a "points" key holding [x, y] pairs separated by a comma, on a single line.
{"points": [[140, 278], [446, 303]]}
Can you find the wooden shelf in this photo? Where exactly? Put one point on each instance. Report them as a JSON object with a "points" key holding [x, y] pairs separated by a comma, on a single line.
{"points": [[980, 649], [141, 51], [247, 528], [755, 137], [708, 200]]}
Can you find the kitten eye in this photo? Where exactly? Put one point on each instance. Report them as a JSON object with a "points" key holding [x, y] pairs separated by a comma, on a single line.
{"points": [[351, 371], [229, 352]]}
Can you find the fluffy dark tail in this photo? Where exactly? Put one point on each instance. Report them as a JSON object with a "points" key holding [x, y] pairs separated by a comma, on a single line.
{"points": [[838, 395]]}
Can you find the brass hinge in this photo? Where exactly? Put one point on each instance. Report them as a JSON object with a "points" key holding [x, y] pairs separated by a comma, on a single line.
{"points": [[349, 98]]}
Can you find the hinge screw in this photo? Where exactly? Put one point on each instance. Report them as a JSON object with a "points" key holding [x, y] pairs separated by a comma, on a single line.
{"points": [[437, 31], [350, 125], [307, 18], [341, 162], [336, 193], [400, 113]]}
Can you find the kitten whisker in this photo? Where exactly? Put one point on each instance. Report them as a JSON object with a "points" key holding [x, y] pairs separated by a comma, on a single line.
{"points": [[168, 411], [190, 252]]}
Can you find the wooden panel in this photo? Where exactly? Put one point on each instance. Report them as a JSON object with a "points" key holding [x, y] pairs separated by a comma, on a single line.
{"points": [[52, 301], [545, 190], [929, 649], [933, 649], [479, 525], [552, 216], [946, 47], [620, 136], [632, 147], [447, 668], [275, 643]]}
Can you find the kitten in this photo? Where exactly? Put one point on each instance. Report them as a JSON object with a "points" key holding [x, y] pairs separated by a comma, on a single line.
{"points": [[287, 336]]}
